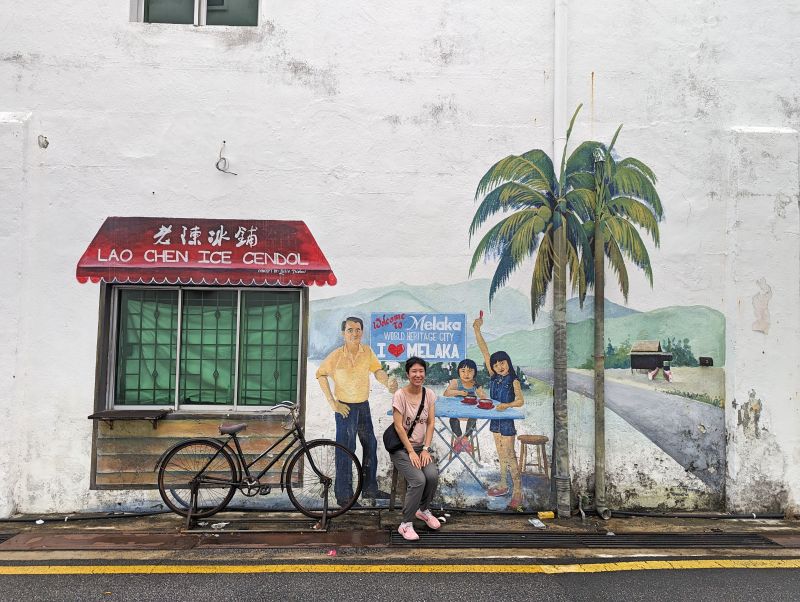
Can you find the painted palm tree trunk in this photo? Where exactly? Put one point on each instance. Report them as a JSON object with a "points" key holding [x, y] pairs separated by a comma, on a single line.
{"points": [[624, 198], [545, 219], [599, 371], [560, 407]]}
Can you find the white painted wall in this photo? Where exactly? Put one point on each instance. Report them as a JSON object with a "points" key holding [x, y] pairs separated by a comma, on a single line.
{"points": [[764, 322], [373, 123], [14, 146], [709, 100]]}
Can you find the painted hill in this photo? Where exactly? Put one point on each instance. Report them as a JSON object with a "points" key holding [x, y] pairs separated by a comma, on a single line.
{"points": [[509, 313], [577, 314], [703, 326]]}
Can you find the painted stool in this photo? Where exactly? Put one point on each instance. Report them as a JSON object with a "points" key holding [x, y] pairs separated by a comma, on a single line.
{"points": [[398, 487], [538, 466]]}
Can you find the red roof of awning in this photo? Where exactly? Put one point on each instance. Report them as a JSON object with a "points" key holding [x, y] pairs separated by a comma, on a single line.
{"points": [[161, 250]]}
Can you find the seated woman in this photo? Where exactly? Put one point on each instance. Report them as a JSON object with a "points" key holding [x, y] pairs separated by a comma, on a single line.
{"points": [[414, 461], [464, 386]]}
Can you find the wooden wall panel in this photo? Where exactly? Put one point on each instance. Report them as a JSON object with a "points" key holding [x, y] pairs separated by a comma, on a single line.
{"points": [[126, 455]]}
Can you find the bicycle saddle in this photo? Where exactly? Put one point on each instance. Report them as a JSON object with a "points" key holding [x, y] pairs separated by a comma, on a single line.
{"points": [[231, 429]]}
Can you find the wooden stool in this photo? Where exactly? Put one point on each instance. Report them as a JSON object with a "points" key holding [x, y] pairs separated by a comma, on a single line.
{"points": [[398, 487], [538, 463]]}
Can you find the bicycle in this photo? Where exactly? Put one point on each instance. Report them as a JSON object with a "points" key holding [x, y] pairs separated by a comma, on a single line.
{"points": [[198, 477]]}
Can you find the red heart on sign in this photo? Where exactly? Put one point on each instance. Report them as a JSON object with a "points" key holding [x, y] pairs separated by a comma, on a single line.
{"points": [[397, 350]]}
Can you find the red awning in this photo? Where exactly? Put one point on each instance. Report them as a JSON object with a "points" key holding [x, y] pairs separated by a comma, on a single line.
{"points": [[161, 250]]}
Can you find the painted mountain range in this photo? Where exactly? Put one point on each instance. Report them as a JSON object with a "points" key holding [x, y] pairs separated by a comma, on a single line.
{"points": [[509, 314], [702, 326]]}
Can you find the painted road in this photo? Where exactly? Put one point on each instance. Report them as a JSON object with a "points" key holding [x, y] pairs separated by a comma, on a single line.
{"points": [[769, 580], [691, 432]]}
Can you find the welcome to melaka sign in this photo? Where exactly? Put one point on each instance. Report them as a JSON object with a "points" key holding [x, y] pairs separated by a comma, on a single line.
{"points": [[163, 250], [433, 337]]}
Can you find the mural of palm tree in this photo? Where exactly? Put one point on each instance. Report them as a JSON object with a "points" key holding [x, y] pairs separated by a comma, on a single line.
{"points": [[546, 213], [622, 198]]}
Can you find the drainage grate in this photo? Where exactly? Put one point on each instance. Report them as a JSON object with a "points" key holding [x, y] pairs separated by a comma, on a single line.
{"points": [[455, 539]]}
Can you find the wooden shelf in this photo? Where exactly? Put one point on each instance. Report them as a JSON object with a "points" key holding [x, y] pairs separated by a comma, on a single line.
{"points": [[109, 416]]}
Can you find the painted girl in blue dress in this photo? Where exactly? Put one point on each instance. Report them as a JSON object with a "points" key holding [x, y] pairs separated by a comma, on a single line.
{"points": [[505, 388]]}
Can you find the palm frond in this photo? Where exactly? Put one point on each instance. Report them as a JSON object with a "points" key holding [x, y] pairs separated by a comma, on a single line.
{"points": [[614, 139], [542, 274], [508, 196], [617, 262], [582, 158], [506, 265], [489, 246], [635, 163], [581, 201], [629, 181], [636, 212], [541, 159], [576, 235], [580, 179], [513, 169], [524, 238], [587, 258], [566, 144], [577, 275], [630, 243]]}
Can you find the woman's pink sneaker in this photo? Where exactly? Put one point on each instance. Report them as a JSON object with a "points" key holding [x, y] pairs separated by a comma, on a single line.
{"points": [[428, 518], [407, 531]]}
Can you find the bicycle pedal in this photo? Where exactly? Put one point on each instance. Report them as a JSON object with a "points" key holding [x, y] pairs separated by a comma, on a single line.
{"points": [[265, 490]]}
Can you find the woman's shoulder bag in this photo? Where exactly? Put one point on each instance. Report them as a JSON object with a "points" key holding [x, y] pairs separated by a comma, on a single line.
{"points": [[391, 440]]}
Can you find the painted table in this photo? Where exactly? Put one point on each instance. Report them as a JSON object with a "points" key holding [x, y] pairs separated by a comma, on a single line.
{"points": [[452, 407]]}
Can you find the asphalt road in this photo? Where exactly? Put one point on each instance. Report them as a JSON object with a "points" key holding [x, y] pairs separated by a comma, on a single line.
{"points": [[691, 432], [731, 585]]}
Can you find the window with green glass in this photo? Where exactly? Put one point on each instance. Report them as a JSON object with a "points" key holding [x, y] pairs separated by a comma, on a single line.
{"points": [[146, 347], [196, 12], [269, 346], [223, 347], [169, 11]]}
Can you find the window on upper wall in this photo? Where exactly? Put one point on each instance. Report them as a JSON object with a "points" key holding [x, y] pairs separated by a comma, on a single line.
{"points": [[196, 12], [196, 348]]}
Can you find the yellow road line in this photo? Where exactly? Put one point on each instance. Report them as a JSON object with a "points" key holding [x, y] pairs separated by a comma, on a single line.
{"points": [[550, 569]]}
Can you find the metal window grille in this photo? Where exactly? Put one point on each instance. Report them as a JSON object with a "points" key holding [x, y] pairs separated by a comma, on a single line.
{"points": [[224, 347], [146, 347], [269, 347], [208, 347]]}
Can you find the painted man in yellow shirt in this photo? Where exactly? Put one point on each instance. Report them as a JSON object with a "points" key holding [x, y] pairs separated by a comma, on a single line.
{"points": [[349, 366]]}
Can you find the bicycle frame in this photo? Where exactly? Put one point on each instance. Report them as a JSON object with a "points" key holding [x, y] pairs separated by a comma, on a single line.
{"points": [[297, 435]]}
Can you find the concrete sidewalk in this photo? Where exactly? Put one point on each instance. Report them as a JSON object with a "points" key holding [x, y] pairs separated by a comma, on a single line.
{"points": [[369, 536]]}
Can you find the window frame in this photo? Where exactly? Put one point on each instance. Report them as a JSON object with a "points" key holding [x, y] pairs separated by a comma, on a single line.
{"points": [[109, 330], [200, 11]]}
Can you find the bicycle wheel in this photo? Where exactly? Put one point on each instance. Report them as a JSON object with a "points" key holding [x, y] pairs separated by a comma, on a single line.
{"points": [[202, 459], [336, 465]]}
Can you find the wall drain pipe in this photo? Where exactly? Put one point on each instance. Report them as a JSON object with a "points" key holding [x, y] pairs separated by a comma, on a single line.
{"points": [[561, 481]]}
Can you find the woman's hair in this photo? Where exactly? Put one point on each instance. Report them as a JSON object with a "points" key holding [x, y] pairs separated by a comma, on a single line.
{"points": [[416, 361], [468, 363], [499, 356]]}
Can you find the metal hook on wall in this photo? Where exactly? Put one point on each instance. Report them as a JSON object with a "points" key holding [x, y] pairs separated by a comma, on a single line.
{"points": [[222, 162]]}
